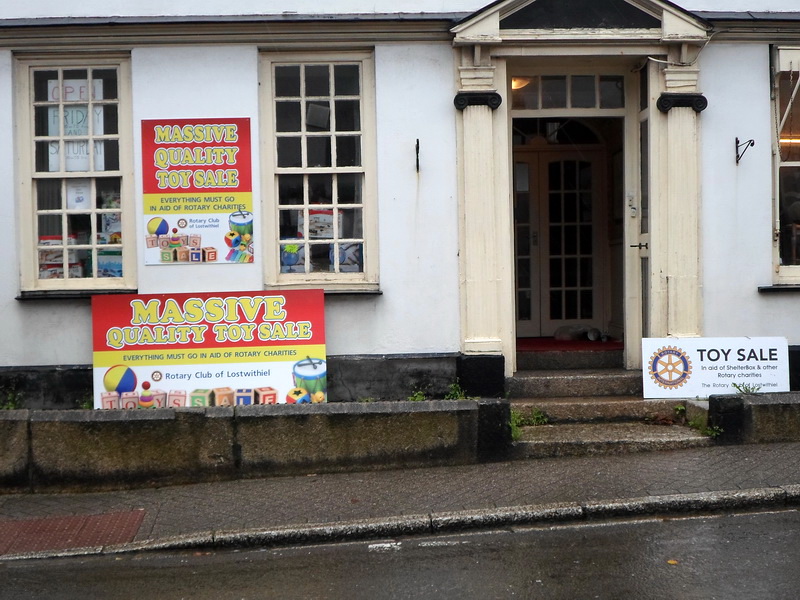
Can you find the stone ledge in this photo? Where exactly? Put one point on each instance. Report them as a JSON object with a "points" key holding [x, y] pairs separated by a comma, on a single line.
{"points": [[117, 449], [756, 418]]}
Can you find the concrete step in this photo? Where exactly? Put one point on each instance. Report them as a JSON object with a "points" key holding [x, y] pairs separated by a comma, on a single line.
{"points": [[554, 359], [574, 383], [600, 409], [581, 439]]}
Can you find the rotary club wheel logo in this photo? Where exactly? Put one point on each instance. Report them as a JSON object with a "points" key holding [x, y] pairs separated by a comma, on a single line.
{"points": [[670, 367]]}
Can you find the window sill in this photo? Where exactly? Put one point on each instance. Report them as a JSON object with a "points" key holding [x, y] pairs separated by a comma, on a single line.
{"points": [[366, 289], [68, 294], [779, 288]]}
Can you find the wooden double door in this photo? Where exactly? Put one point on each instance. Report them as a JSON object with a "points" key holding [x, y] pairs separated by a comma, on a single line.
{"points": [[561, 239]]}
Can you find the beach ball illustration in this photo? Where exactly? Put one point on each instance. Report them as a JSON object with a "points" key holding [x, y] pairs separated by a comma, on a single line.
{"points": [[119, 378], [157, 226]]}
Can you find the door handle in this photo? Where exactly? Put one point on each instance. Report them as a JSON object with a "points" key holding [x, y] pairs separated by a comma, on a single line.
{"points": [[640, 246]]}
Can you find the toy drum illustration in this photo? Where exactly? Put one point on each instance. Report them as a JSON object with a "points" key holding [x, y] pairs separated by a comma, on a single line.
{"points": [[241, 222], [311, 375]]}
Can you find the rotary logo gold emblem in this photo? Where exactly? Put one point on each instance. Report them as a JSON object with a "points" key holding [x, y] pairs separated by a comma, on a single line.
{"points": [[670, 367]]}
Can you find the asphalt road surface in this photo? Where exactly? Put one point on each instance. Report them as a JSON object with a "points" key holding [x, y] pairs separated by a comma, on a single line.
{"points": [[731, 556]]}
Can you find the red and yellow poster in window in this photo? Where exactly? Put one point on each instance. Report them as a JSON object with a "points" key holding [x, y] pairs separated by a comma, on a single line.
{"points": [[210, 349], [198, 195]]}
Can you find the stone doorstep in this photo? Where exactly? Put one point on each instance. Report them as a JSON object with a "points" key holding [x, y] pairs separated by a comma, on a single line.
{"points": [[574, 383], [599, 408], [580, 439]]}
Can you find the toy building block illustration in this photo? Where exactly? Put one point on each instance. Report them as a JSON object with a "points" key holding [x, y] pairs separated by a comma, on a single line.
{"points": [[195, 255], [109, 400], [244, 396], [200, 398], [129, 400], [176, 399], [223, 396], [210, 254], [266, 395]]}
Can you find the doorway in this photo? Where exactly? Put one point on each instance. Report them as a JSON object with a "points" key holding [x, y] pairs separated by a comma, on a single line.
{"points": [[567, 189]]}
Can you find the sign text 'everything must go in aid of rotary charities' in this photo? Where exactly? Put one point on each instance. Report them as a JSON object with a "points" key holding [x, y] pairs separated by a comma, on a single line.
{"points": [[703, 367], [198, 196], [174, 350]]}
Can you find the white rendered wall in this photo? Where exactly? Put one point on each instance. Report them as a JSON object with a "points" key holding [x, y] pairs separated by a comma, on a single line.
{"points": [[418, 310], [196, 83], [737, 216], [38, 332]]}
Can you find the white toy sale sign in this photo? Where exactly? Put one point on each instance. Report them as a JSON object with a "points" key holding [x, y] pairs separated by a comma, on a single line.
{"points": [[701, 367]]}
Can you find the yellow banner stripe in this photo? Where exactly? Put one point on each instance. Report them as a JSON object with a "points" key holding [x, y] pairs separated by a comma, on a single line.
{"points": [[208, 356], [169, 204]]}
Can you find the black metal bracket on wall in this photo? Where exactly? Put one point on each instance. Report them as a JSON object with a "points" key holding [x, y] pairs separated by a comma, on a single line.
{"points": [[464, 99], [667, 102]]}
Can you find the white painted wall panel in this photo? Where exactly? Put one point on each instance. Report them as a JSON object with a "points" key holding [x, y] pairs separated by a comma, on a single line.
{"points": [[418, 213], [36, 332], [195, 83], [737, 217]]}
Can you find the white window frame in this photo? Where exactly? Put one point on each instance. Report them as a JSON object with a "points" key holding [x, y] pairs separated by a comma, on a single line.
{"points": [[30, 280], [367, 280], [785, 59]]}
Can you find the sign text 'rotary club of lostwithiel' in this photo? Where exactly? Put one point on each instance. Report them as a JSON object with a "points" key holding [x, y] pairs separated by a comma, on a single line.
{"points": [[223, 349], [198, 196]]}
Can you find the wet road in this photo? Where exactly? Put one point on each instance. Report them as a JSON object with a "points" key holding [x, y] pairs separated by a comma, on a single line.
{"points": [[746, 556]]}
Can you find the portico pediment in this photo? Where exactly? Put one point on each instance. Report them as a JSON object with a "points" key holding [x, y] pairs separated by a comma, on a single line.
{"points": [[594, 20]]}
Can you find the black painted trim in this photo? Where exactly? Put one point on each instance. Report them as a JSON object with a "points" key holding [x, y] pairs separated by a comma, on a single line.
{"points": [[777, 289], [696, 102], [464, 99], [70, 294]]}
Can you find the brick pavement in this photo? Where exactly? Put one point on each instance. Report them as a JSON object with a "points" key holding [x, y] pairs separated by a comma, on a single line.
{"points": [[285, 502]]}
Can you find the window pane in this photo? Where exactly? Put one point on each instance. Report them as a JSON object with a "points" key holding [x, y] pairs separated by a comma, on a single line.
{"points": [[321, 257], [287, 81], [109, 263], [318, 116], [790, 215], [289, 152], [45, 120], [348, 117], [320, 189], [346, 81], [320, 224], [612, 91], [554, 91], [106, 121], [525, 92], [289, 224], [108, 192], [583, 91], [47, 157], [45, 86], [106, 155], [292, 258], [351, 257], [287, 116], [790, 115], [319, 151], [290, 189], [50, 229], [105, 86], [348, 151], [317, 80], [48, 194], [351, 223], [349, 188]]}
